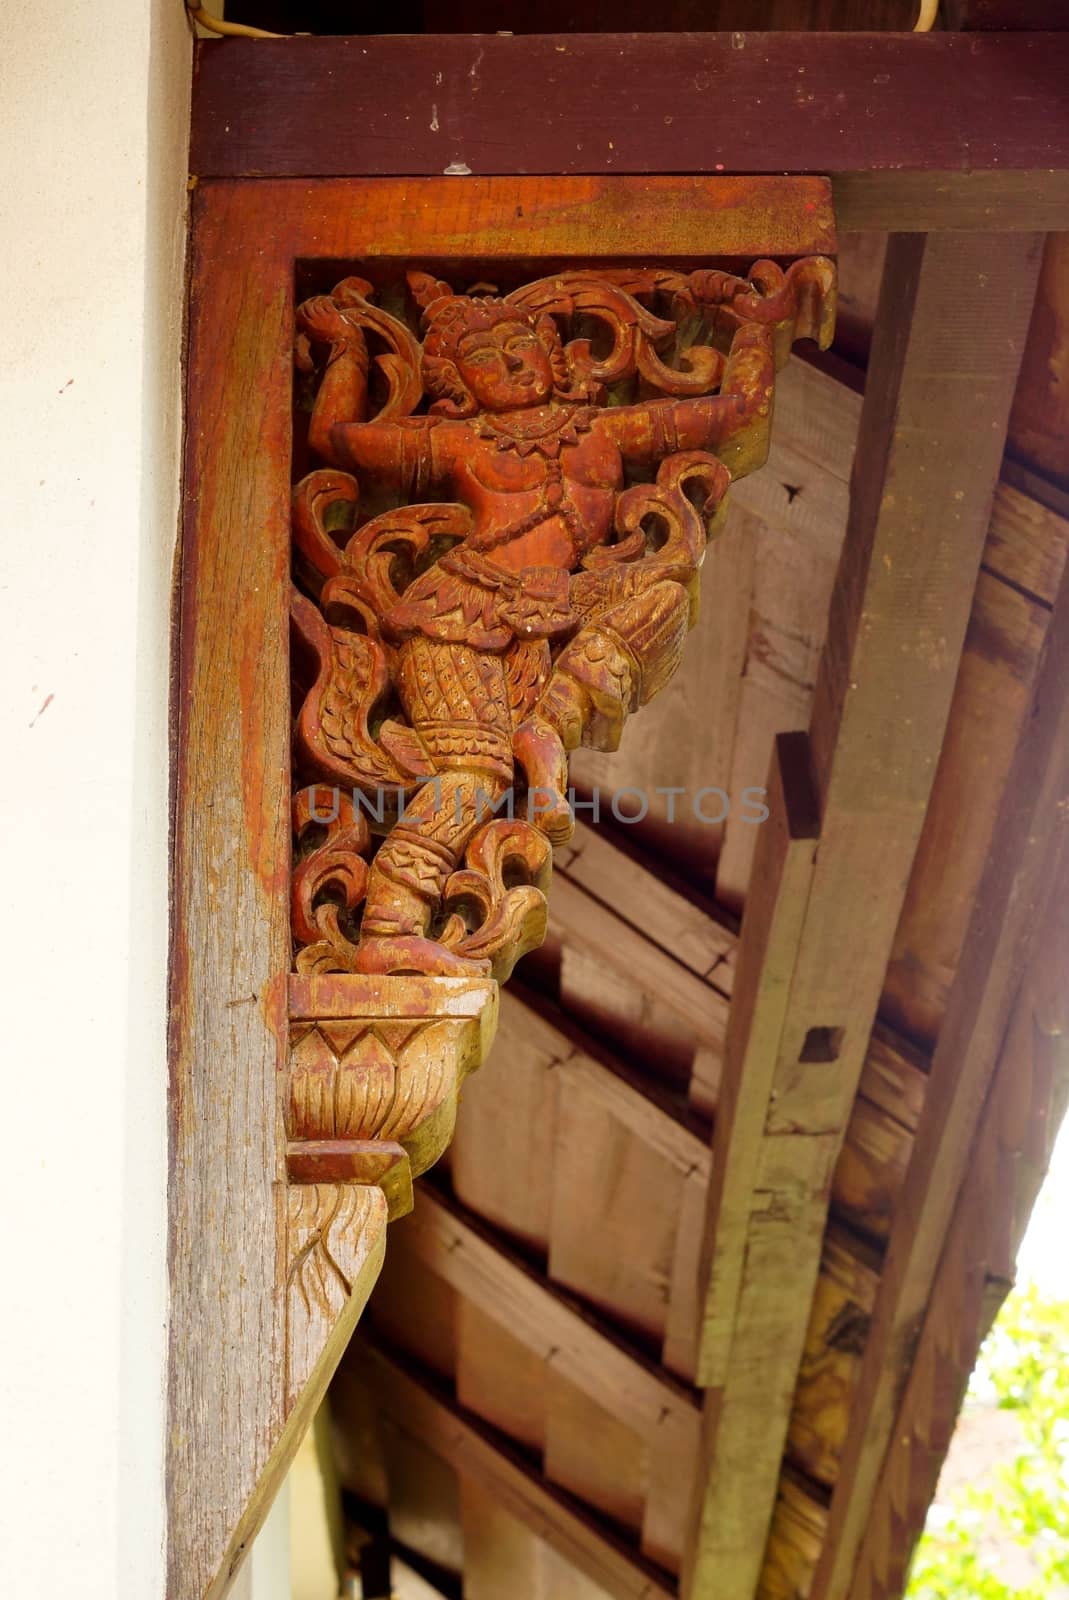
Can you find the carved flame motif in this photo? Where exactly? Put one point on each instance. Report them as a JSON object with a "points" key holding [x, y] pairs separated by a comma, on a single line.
{"points": [[541, 473]]}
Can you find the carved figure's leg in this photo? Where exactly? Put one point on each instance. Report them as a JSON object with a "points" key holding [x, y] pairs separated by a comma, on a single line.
{"points": [[410, 871], [457, 699], [617, 662]]}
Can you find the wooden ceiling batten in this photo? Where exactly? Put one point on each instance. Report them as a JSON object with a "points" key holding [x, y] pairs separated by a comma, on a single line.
{"points": [[932, 432]]}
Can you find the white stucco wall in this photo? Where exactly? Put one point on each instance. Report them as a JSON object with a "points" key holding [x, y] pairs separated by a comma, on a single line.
{"points": [[93, 142]]}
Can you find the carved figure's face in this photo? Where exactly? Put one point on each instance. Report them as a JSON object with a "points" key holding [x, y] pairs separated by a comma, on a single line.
{"points": [[505, 367]]}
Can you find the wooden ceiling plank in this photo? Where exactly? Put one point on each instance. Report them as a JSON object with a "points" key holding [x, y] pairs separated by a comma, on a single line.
{"points": [[576, 917], [522, 1303], [932, 431], [617, 1195], [503, 1557], [1027, 870], [459, 1441], [802, 502], [658, 911], [658, 1418]]}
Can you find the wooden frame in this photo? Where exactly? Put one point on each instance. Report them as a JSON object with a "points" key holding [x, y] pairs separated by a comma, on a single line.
{"points": [[269, 1272]]}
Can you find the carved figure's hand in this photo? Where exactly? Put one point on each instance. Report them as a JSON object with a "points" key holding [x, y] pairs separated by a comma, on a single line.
{"points": [[322, 321]]}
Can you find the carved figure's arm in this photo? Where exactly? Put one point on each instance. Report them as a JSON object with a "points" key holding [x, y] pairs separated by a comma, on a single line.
{"points": [[763, 315], [414, 455], [734, 424], [342, 393]]}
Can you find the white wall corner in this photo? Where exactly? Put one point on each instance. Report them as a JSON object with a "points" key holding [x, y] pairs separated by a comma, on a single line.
{"points": [[93, 142]]}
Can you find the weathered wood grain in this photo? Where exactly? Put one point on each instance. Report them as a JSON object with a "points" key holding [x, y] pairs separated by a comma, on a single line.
{"points": [[1008, 1162], [499, 1377], [517, 1119], [503, 1556], [336, 1241], [1002, 651], [772, 928], [227, 1203], [932, 431], [831, 1358], [1025, 875], [1039, 421], [799, 1523], [549, 1513], [391, 106]]}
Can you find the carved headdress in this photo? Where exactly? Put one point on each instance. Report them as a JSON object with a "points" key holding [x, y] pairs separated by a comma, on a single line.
{"points": [[449, 318]]}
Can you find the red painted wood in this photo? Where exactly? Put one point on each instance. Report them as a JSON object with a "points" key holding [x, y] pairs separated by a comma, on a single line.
{"points": [[668, 103]]}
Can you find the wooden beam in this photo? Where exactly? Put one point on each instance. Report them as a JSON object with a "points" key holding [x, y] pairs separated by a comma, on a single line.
{"points": [[913, 120], [1008, 1161], [787, 849], [1027, 871], [468, 1447], [931, 438], [266, 1282], [1013, 16]]}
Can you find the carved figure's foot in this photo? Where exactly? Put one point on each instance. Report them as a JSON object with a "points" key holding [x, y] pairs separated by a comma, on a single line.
{"points": [[540, 751], [409, 952], [552, 815]]}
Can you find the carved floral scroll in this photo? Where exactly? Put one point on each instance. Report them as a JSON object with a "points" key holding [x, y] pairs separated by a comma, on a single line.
{"points": [[497, 562]]}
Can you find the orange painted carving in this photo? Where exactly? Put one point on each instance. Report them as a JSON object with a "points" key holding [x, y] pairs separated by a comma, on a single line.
{"points": [[498, 563]]}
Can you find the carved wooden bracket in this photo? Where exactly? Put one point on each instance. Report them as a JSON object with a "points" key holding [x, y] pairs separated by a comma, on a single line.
{"points": [[504, 487], [545, 470]]}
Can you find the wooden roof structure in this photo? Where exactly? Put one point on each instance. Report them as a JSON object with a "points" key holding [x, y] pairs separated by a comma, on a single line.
{"points": [[690, 1304], [536, 1326]]}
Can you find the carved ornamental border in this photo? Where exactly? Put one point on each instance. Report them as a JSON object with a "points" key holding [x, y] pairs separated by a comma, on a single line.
{"points": [[284, 1168]]}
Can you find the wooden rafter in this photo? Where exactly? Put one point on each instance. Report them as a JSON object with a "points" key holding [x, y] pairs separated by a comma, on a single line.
{"points": [[1008, 1162], [1026, 874], [931, 440]]}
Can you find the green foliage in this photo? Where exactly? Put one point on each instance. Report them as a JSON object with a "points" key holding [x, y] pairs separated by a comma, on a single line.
{"points": [[1024, 1368]]}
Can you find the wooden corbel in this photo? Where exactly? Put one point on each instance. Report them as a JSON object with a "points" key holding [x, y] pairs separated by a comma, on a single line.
{"points": [[444, 523]]}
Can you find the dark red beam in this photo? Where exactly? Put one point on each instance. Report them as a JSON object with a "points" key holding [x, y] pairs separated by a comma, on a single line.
{"points": [[948, 121]]}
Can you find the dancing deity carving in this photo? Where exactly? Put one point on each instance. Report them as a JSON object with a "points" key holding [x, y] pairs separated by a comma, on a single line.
{"points": [[498, 565]]}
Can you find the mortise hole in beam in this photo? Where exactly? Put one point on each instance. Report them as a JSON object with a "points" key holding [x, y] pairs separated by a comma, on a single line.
{"points": [[822, 1044]]}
